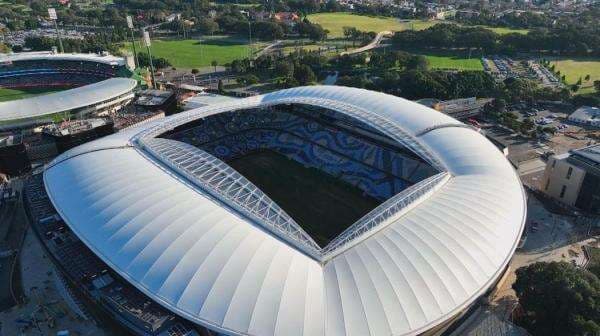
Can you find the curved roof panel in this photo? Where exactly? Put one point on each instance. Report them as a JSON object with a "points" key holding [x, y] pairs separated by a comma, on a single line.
{"points": [[48, 55], [198, 257], [67, 100]]}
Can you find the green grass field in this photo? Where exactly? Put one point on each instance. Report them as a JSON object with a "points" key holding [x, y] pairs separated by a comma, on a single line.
{"points": [[13, 94], [195, 54], [574, 68], [454, 63], [321, 204], [335, 23]]}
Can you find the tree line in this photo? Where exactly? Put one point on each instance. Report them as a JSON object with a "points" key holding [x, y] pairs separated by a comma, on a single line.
{"points": [[564, 40]]}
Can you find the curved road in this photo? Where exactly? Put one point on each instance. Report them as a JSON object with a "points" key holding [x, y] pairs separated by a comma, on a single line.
{"points": [[373, 44]]}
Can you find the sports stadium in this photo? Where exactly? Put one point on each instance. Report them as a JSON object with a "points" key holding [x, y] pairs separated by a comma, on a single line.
{"points": [[48, 69], [317, 210], [106, 96], [90, 82]]}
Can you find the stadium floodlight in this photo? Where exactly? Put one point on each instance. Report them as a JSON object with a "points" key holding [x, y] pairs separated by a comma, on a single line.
{"points": [[52, 14], [130, 26], [147, 44], [54, 17]]}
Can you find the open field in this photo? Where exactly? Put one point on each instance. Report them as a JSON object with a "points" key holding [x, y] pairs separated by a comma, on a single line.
{"points": [[323, 205], [454, 62], [13, 94], [575, 68], [195, 53], [335, 23]]}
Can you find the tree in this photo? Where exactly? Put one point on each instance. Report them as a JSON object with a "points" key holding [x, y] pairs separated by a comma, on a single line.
{"points": [[248, 79], [587, 77], [284, 68], [597, 85], [417, 62], [195, 71], [207, 26], [527, 125], [4, 48], [304, 74], [558, 299], [214, 63], [220, 87]]}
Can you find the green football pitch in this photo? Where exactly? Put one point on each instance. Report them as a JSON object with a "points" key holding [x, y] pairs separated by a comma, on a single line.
{"points": [[196, 53], [13, 94], [320, 203]]}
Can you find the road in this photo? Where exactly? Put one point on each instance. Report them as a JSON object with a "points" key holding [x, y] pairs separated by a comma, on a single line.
{"points": [[373, 44], [267, 49]]}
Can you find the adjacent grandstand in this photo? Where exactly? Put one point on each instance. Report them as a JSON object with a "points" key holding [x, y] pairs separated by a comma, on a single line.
{"points": [[48, 69], [105, 96], [308, 211]]}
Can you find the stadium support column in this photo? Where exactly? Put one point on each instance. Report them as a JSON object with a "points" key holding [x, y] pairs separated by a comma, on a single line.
{"points": [[130, 26], [54, 17], [147, 43]]}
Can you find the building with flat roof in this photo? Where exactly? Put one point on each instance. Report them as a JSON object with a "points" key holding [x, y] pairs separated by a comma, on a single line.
{"points": [[461, 109], [586, 115], [574, 178], [13, 155]]}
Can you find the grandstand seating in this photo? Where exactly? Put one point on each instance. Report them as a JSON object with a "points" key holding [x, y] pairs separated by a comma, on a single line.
{"points": [[375, 168], [47, 73]]}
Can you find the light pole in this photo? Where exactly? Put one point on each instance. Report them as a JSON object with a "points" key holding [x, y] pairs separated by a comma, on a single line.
{"points": [[54, 17], [130, 26], [250, 35], [147, 43]]}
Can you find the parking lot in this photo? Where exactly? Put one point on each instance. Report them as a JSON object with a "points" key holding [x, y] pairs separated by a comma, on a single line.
{"points": [[503, 67]]}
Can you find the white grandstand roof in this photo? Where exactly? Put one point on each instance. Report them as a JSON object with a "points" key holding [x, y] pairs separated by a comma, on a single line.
{"points": [[42, 55], [67, 100], [191, 249]]}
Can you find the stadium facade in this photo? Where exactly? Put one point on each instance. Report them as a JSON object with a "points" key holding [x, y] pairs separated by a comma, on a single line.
{"points": [[163, 208]]}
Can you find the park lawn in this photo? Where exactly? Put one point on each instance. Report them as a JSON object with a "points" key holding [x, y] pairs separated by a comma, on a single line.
{"points": [[14, 94], [454, 63], [335, 23], [196, 54], [575, 68]]}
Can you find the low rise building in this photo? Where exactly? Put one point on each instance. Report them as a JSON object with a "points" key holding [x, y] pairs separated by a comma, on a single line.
{"points": [[574, 178], [586, 115]]}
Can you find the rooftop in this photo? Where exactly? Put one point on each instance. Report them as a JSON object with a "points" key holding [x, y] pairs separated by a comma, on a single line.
{"points": [[591, 153], [49, 55], [190, 246], [45, 105], [586, 113]]}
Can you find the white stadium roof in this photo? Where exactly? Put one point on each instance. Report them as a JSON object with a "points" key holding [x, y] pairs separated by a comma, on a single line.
{"points": [[188, 244], [67, 100], [48, 55]]}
